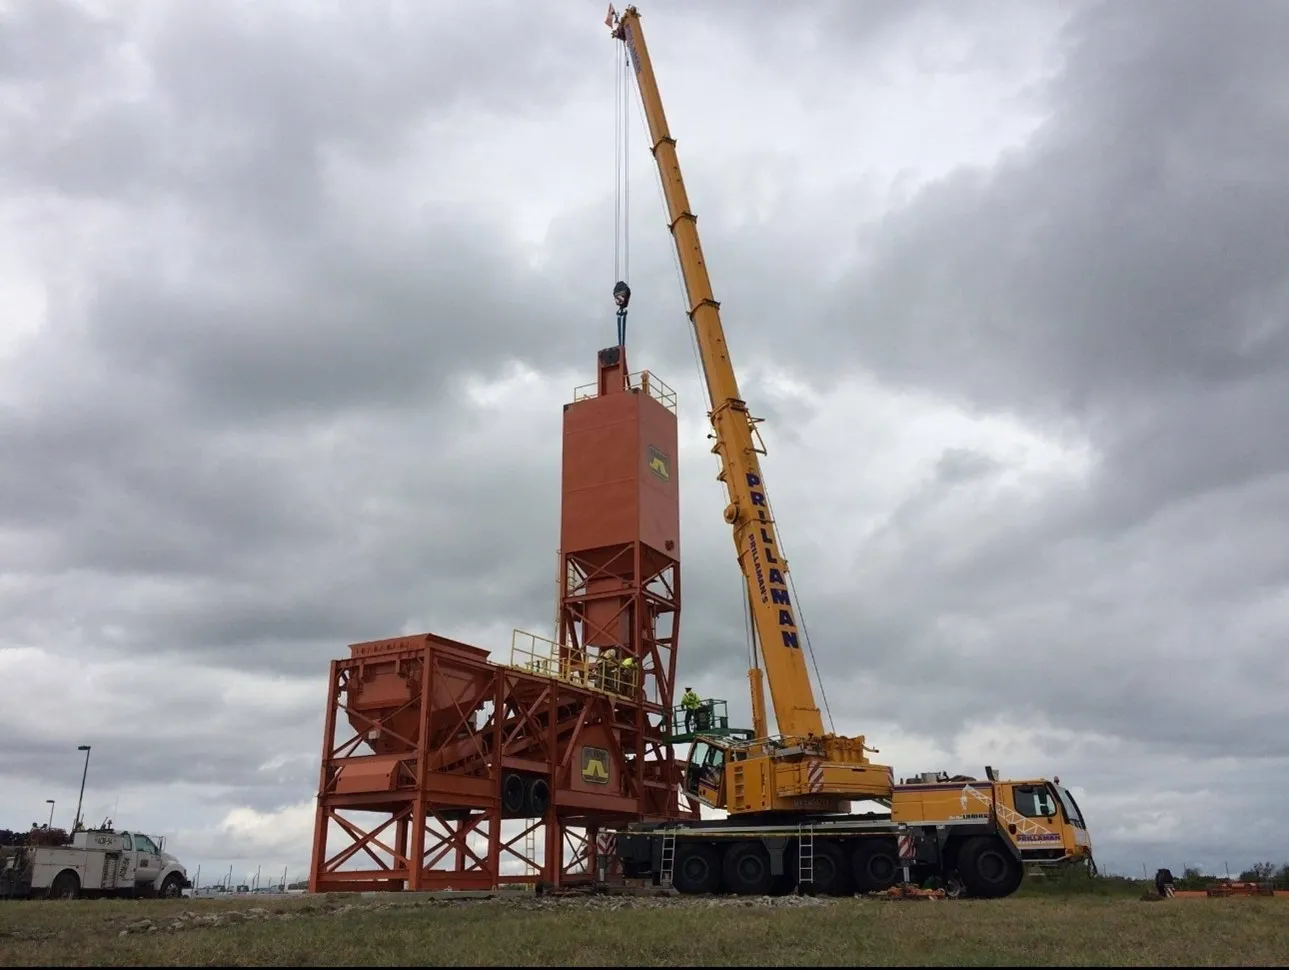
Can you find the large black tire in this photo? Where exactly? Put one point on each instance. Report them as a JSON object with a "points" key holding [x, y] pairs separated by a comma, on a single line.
{"points": [[988, 869], [698, 869], [171, 887], [832, 875], [747, 869], [512, 795], [66, 885], [875, 864], [537, 797]]}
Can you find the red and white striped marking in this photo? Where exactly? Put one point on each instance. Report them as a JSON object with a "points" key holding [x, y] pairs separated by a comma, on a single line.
{"points": [[605, 844], [815, 776], [906, 847]]}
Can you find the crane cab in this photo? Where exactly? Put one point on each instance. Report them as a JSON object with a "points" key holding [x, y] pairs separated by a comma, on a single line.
{"points": [[705, 770]]}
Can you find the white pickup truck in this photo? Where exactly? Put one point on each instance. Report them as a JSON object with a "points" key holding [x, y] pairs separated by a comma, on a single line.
{"points": [[99, 862]]}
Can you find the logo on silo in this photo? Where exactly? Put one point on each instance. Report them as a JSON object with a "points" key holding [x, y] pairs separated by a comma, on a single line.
{"points": [[658, 464], [595, 765]]}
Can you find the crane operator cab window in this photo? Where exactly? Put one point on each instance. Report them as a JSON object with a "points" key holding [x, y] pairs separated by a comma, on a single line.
{"points": [[1034, 801], [705, 773]]}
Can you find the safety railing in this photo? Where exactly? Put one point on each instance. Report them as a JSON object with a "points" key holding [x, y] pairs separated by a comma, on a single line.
{"points": [[711, 717], [643, 381], [596, 670]]}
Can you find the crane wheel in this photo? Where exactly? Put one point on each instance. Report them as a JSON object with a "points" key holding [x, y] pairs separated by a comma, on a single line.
{"points": [[831, 876], [698, 869], [747, 869], [875, 864], [987, 869]]}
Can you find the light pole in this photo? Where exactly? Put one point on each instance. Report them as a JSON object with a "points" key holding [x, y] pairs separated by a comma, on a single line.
{"points": [[86, 771], [50, 825]]}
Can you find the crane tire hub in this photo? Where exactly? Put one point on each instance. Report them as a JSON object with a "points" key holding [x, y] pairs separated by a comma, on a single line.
{"points": [[875, 863], [698, 869], [747, 869], [988, 870]]}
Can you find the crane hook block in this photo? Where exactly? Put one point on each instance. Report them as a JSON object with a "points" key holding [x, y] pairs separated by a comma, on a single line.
{"points": [[622, 294]]}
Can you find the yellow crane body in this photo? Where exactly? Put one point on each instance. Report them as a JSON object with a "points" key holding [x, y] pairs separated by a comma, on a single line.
{"points": [[788, 796], [772, 774]]}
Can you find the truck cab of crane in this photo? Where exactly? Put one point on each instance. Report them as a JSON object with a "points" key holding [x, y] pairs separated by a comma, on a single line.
{"points": [[1047, 825], [1043, 821], [1039, 818]]}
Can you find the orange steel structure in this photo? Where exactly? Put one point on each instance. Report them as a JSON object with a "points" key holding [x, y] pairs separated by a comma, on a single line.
{"points": [[429, 746]]}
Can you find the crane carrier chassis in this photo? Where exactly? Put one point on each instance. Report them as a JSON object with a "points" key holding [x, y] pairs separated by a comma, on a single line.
{"points": [[980, 851]]}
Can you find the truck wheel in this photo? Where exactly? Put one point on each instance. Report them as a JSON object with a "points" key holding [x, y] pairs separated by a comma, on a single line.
{"points": [[987, 869], [747, 869], [66, 885], [875, 864], [171, 887], [831, 873], [698, 870]]}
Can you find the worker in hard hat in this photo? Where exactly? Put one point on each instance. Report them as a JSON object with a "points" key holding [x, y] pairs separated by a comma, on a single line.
{"points": [[691, 703], [607, 660], [620, 676]]}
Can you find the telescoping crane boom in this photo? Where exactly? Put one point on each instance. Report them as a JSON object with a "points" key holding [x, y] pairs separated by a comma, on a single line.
{"points": [[804, 766], [788, 796]]}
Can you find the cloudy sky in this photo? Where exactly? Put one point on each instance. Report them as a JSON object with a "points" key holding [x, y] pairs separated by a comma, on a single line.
{"points": [[291, 296]]}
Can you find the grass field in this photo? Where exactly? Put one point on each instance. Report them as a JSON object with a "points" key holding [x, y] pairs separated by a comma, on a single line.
{"points": [[1054, 930]]}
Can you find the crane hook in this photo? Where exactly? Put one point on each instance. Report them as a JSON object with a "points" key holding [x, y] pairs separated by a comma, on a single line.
{"points": [[622, 296]]}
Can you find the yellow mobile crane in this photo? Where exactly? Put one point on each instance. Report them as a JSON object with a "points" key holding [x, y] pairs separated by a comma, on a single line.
{"points": [[787, 797]]}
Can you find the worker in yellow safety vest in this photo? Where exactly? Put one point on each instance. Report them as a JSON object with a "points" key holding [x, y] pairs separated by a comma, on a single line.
{"points": [[691, 703], [605, 674], [625, 682]]}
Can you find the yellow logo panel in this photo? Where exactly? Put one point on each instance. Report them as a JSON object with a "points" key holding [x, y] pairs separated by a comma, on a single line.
{"points": [[595, 765], [658, 464]]}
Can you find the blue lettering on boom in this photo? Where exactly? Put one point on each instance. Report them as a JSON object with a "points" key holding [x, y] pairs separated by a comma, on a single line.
{"points": [[773, 577]]}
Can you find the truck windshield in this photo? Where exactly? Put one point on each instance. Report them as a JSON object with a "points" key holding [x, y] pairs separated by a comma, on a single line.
{"points": [[1071, 807]]}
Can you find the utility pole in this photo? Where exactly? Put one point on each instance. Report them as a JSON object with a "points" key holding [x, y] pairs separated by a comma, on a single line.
{"points": [[50, 823], [86, 771]]}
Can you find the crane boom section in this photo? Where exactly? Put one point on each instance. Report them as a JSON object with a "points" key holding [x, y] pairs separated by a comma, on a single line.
{"points": [[755, 538]]}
